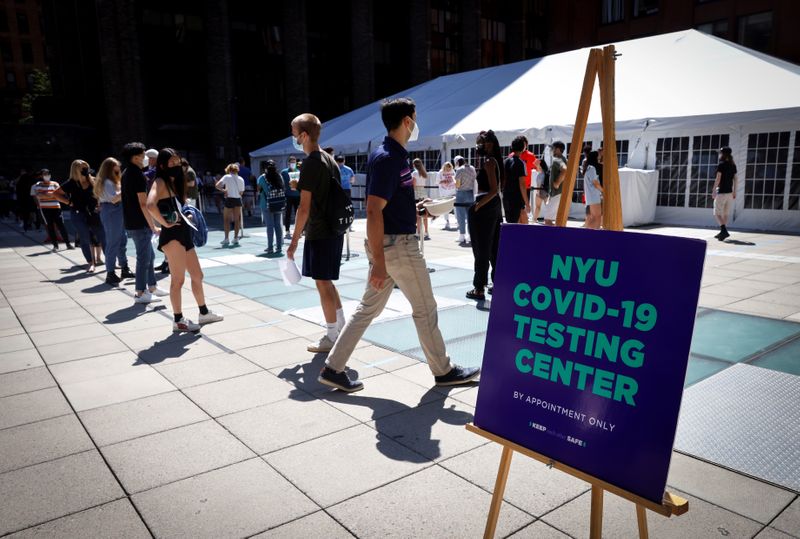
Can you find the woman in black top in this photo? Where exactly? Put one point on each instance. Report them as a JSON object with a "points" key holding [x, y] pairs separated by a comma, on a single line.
{"points": [[164, 202], [78, 193], [484, 216]]}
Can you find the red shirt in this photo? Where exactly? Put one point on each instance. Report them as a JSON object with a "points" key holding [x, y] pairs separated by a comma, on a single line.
{"points": [[530, 161]]}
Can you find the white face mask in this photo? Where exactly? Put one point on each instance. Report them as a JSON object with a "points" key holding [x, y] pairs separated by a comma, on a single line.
{"points": [[414, 133], [46, 177], [292, 166], [296, 144]]}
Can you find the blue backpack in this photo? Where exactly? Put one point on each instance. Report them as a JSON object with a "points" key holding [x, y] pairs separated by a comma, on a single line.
{"points": [[199, 236]]}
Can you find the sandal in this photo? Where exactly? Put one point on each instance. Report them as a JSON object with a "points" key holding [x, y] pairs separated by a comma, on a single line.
{"points": [[474, 294]]}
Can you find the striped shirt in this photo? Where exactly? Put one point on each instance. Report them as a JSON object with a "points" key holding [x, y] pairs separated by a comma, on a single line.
{"points": [[44, 193]]}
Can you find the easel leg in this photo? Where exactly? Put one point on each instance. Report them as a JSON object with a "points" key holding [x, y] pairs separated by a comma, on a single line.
{"points": [[641, 517], [499, 489], [596, 517]]}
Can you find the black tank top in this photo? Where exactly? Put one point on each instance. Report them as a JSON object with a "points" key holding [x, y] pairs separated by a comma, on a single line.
{"points": [[483, 178]]}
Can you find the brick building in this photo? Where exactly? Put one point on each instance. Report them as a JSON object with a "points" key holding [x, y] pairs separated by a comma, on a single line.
{"points": [[217, 78]]}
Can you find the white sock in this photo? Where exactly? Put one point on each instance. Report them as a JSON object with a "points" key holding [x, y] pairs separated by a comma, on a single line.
{"points": [[340, 319], [461, 238], [333, 332]]}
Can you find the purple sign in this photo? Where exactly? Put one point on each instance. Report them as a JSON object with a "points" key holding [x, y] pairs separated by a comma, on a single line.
{"points": [[587, 347]]}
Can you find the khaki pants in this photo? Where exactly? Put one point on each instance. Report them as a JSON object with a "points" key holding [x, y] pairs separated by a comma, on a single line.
{"points": [[406, 267]]}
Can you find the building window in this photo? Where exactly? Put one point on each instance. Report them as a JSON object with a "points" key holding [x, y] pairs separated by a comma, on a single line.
{"points": [[715, 28], [493, 42], [271, 38], [445, 37], [27, 53], [765, 172], [705, 157], [755, 31], [430, 158], [537, 150], [672, 159], [22, 23], [612, 11], [6, 51], [577, 191], [622, 151], [357, 161], [11, 78], [794, 182], [3, 20], [642, 8]]}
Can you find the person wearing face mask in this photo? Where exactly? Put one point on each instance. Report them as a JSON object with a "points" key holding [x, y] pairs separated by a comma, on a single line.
{"points": [[272, 201], [485, 215], [50, 207], [558, 172], [139, 223], [394, 256], [78, 193], [107, 189], [164, 202], [292, 194], [322, 252]]}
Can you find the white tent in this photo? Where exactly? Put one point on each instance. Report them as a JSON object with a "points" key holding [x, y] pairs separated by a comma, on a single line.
{"points": [[679, 97]]}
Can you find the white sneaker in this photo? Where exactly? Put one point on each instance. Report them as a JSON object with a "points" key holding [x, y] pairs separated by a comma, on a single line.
{"points": [[209, 318], [236, 242], [324, 345], [160, 292], [224, 242], [185, 325], [146, 297]]}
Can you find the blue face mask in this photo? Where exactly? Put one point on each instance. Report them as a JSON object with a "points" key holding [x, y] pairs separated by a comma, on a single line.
{"points": [[296, 144]]}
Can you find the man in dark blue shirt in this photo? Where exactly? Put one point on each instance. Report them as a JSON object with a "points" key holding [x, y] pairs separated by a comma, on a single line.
{"points": [[394, 256]]}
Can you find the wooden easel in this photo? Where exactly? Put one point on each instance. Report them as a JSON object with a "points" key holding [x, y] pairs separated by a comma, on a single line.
{"points": [[600, 65], [670, 505]]}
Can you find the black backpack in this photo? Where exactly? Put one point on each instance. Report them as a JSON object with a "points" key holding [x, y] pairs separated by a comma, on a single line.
{"points": [[546, 176], [339, 208]]}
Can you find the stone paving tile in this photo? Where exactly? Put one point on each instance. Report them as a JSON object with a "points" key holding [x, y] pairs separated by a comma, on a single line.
{"points": [[288, 352], [382, 395], [234, 321], [761, 308], [81, 370], [10, 332], [241, 393], [336, 477], [206, 369], [49, 297], [25, 381], [539, 530], [415, 506], [15, 343], [532, 486], [140, 417], [98, 392], [619, 520], [234, 501], [53, 489], [772, 533], [55, 320], [164, 457], [96, 346], [42, 441], [117, 519], [729, 490], [264, 429], [436, 429], [246, 338], [789, 520], [33, 406], [318, 524]]}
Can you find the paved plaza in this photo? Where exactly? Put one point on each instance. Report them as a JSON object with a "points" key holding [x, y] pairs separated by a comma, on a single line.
{"points": [[113, 426]]}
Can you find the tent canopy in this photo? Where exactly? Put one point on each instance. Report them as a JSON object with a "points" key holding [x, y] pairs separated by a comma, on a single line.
{"points": [[674, 78]]}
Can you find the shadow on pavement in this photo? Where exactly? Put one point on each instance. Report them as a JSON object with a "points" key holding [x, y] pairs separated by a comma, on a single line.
{"points": [[174, 346], [126, 314], [739, 242]]}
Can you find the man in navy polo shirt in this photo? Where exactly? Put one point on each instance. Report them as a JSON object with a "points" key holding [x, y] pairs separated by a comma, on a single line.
{"points": [[394, 256]]}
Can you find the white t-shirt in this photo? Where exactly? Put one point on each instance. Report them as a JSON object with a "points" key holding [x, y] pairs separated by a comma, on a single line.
{"points": [[233, 185]]}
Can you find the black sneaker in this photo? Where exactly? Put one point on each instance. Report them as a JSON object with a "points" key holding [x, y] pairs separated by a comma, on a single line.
{"points": [[339, 380], [722, 235], [112, 279], [126, 273], [458, 376]]}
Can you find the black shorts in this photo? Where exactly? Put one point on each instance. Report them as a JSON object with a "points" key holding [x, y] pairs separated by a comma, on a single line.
{"points": [[182, 233], [233, 202], [323, 258]]}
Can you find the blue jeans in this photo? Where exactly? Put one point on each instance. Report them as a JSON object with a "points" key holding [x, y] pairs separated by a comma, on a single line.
{"points": [[145, 273], [116, 240], [87, 225], [462, 211], [273, 221]]}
